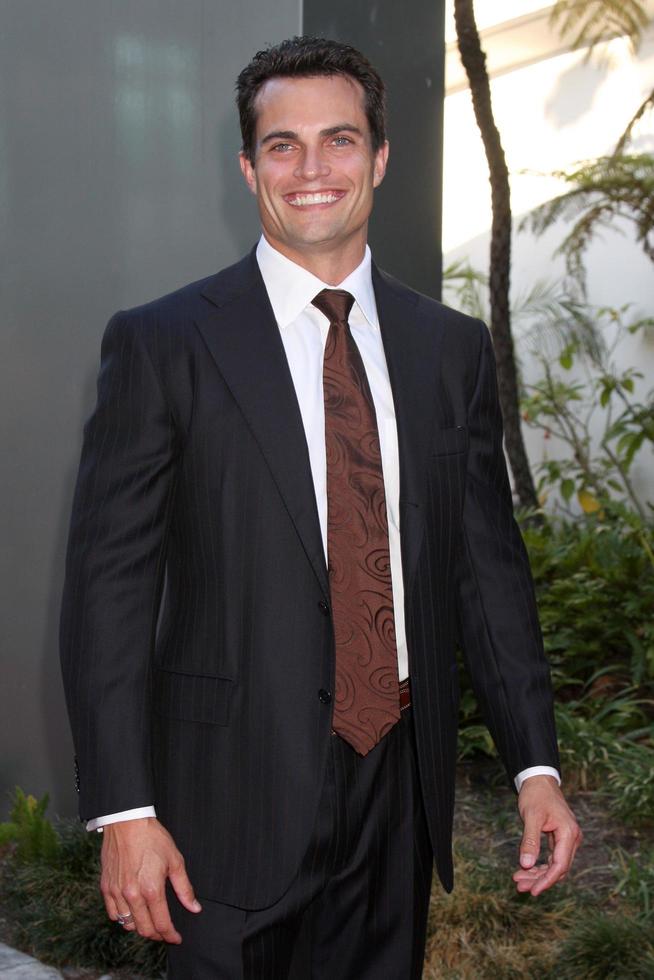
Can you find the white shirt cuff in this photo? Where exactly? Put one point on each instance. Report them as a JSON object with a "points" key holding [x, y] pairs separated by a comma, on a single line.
{"points": [[536, 771], [99, 822]]}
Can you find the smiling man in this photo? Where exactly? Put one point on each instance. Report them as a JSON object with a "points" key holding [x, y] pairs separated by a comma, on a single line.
{"points": [[292, 501], [314, 183]]}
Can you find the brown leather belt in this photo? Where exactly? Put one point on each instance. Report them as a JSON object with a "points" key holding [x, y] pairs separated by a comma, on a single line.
{"points": [[405, 695]]}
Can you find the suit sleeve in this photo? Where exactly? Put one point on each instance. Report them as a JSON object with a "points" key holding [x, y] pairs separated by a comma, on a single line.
{"points": [[114, 572], [498, 618]]}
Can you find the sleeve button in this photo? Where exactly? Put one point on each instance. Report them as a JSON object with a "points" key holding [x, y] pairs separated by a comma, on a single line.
{"points": [[323, 607], [324, 696]]}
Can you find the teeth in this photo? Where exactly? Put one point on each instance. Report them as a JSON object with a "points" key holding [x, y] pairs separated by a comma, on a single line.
{"points": [[300, 200]]}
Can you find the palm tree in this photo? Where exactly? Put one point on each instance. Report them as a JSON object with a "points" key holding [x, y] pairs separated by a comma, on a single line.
{"points": [[589, 22], [474, 62]]}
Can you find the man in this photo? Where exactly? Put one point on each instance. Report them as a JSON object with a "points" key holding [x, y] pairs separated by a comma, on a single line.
{"points": [[304, 457]]}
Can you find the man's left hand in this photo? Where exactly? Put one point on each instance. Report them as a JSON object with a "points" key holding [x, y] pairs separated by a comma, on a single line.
{"points": [[544, 811]]}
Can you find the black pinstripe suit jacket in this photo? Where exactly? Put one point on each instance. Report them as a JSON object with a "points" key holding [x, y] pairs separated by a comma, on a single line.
{"points": [[195, 484]]}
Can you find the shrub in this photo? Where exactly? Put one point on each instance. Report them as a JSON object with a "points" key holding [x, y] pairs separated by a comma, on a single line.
{"points": [[596, 756], [602, 947], [635, 879], [595, 590], [49, 892], [29, 830]]}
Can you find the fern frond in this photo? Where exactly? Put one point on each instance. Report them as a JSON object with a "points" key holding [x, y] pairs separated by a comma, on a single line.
{"points": [[587, 22]]}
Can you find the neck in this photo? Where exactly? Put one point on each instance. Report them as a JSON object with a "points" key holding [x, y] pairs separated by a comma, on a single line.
{"points": [[330, 267]]}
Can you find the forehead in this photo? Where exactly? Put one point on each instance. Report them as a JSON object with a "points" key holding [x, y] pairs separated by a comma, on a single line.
{"points": [[318, 102]]}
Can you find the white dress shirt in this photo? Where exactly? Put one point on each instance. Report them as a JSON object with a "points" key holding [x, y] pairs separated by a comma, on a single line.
{"points": [[303, 330]]}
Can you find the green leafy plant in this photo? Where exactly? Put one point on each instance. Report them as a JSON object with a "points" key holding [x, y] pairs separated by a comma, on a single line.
{"points": [[29, 830], [635, 879], [631, 781], [595, 590], [618, 763], [598, 192], [571, 406]]}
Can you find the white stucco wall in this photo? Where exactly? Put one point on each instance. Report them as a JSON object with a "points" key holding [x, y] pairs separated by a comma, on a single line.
{"points": [[551, 111]]}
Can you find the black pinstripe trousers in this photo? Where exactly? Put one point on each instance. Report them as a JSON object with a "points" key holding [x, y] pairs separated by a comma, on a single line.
{"points": [[357, 909]]}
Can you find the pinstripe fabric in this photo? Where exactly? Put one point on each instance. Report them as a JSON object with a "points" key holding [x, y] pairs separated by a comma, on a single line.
{"points": [[357, 908], [195, 462]]}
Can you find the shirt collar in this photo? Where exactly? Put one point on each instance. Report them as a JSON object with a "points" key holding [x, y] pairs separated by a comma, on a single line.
{"points": [[291, 288]]}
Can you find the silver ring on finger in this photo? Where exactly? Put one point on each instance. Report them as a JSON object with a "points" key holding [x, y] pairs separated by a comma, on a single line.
{"points": [[125, 918]]}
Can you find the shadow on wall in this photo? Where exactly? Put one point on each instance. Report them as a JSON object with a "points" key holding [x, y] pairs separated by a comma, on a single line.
{"points": [[583, 81]]}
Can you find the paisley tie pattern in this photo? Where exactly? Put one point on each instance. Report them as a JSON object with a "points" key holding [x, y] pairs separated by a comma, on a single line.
{"points": [[367, 699]]}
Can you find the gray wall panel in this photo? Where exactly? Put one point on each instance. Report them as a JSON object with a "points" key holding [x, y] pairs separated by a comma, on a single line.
{"points": [[118, 182], [405, 42]]}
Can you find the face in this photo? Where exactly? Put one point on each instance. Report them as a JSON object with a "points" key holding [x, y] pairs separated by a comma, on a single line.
{"points": [[314, 170]]}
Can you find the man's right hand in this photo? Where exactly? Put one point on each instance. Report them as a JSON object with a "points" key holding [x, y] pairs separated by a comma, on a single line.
{"points": [[137, 857]]}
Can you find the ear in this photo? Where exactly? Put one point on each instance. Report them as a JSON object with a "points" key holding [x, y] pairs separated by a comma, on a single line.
{"points": [[248, 172], [379, 169]]}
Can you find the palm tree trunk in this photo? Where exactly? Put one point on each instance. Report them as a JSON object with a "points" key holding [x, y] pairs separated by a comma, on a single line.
{"points": [[474, 62]]}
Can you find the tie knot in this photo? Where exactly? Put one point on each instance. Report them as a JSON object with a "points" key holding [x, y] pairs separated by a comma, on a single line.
{"points": [[335, 304]]}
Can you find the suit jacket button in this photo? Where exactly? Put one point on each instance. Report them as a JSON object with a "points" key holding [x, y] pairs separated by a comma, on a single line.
{"points": [[323, 607], [324, 696]]}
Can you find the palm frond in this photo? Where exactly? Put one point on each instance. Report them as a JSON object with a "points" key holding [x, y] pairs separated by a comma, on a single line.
{"points": [[587, 22], [600, 191]]}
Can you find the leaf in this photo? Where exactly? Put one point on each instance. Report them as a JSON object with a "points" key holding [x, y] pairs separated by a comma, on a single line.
{"points": [[567, 489], [565, 360], [589, 504]]}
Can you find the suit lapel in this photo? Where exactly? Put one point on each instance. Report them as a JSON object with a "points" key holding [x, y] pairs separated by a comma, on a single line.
{"points": [[411, 346], [243, 338]]}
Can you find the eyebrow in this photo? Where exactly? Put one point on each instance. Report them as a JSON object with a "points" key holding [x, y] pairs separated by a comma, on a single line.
{"points": [[289, 134]]}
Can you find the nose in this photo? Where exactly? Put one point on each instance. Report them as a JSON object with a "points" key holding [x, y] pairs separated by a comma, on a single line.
{"points": [[311, 165]]}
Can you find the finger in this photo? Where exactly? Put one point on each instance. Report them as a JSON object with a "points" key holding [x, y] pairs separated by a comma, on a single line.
{"points": [[109, 903], [117, 907], [160, 914], [124, 912], [554, 873], [530, 874], [184, 889], [559, 863], [565, 845], [530, 843], [142, 919], [526, 879]]}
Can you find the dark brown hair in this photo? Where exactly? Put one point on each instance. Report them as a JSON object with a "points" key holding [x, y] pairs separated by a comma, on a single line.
{"points": [[308, 57]]}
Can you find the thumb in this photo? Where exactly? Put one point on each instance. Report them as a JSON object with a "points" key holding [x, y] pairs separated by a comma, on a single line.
{"points": [[184, 889], [530, 843]]}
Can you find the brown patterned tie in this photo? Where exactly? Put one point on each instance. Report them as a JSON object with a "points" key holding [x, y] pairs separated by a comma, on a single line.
{"points": [[367, 698]]}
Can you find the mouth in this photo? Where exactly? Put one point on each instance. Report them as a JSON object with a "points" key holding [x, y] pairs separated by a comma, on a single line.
{"points": [[304, 200]]}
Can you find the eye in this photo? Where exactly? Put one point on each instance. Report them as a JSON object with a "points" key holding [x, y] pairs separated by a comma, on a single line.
{"points": [[282, 147], [341, 140]]}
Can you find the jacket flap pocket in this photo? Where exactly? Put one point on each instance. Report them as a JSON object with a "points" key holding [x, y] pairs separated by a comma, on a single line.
{"points": [[192, 697], [446, 442]]}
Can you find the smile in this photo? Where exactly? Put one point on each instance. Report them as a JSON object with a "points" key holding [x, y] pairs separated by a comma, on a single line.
{"points": [[321, 197]]}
